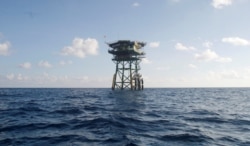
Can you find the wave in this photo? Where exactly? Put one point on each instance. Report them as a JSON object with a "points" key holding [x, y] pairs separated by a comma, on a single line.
{"points": [[126, 118]]}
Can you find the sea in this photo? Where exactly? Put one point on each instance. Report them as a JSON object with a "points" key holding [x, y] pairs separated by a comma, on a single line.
{"points": [[100, 116]]}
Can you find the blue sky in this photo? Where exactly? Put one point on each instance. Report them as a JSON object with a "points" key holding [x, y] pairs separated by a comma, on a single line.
{"points": [[190, 43]]}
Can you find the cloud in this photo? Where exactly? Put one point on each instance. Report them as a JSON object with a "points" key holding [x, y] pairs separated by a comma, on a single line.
{"points": [[26, 65], [45, 64], [236, 41], [181, 47], [219, 4], [18, 77], [207, 44], [206, 55], [161, 68], [10, 76], [4, 48], [226, 74], [63, 63], [146, 61], [135, 4], [154, 44], [46, 79], [224, 59], [209, 55], [192, 66], [231, 74], [83, 78], [176, 1], [80, 48]]}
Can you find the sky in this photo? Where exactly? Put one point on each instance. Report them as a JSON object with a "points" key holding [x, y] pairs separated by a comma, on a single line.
{"points": [[62, 43]]}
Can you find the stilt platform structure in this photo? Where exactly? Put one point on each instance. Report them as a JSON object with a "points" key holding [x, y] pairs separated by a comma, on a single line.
{"points": [[127, 56]]}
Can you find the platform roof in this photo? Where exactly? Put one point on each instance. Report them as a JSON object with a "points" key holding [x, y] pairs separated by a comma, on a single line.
{"points": [[125, 52], [126, 48], [125, 43]]}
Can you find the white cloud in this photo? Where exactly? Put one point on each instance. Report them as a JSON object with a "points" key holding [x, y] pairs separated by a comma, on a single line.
{"points": [[219, 4], [236, 41], [26, 65], [18, 77], [45, 64], [207, 44], [206, 55], [63, 63], [146, 61], [46, 78], [4, 48], [224, 59], [135, 4], [45, 74], [81, 48], [192, 66], [154, 44], [226, 74], [176, 1], [52, 80], [247, 69], [10, 76], [162, 68], [83, 78], [231, 74], [181, 47], [209, 55]]}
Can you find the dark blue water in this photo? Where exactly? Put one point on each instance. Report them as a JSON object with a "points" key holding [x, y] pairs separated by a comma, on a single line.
{"points": [[179, 117]]}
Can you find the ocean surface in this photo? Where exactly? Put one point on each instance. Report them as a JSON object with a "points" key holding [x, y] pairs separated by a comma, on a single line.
{"points": [[167, 116]]}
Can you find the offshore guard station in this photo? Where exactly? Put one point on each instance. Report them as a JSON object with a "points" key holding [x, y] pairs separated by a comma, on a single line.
{"points": [[127, 56]]}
